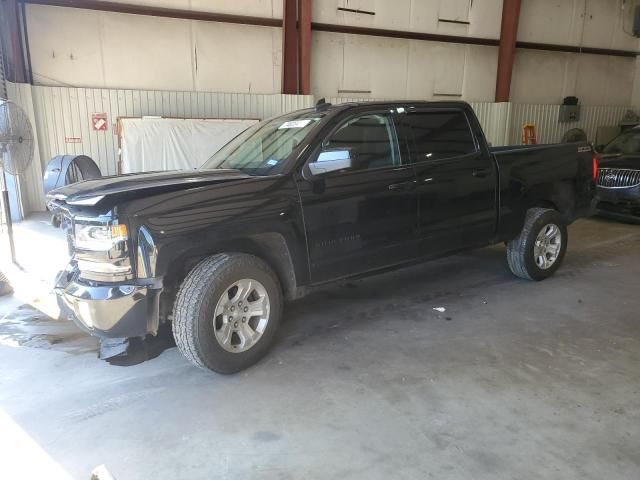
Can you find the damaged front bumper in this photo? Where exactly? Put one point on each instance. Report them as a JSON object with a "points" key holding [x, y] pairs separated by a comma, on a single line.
{"points": [[109, 310]]}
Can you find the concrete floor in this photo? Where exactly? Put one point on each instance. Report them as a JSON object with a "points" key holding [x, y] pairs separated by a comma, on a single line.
{"points": [[514, 380]]}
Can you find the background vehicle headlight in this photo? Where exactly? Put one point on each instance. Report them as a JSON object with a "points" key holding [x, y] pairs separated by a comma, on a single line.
{"points": [[99, 236]]}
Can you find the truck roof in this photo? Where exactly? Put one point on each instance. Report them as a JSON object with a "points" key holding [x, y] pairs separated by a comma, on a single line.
{"points": [[393, 103]]}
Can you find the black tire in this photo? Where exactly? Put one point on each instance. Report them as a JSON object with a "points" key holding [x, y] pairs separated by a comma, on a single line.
{"points": [[520, 250], [193, 317]]}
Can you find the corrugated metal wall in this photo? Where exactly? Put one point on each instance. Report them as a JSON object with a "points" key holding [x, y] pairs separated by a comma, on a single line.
{"points": [[62, 117], [495, 119], [549, 130]]}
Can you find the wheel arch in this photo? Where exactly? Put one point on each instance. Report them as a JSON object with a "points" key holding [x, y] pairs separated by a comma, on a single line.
{"points": [[270, 247], [559, 196]]}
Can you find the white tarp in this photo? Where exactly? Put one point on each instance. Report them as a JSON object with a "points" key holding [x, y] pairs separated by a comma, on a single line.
{"points": [[151, 144]]}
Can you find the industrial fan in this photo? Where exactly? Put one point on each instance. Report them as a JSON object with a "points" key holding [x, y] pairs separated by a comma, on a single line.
{"points": [[16, 152]]}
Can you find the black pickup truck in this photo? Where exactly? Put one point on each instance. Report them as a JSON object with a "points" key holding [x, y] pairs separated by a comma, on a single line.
{"points": [[310, 197]]}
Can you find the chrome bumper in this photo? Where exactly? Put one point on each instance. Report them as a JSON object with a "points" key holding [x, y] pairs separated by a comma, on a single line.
{"points": [[619, 194], [108, 310]]}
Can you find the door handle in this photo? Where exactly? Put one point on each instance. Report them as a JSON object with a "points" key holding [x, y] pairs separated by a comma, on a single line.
{"points": [[402, 186], [481, 173]]}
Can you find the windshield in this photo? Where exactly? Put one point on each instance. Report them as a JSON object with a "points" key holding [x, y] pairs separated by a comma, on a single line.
{"points": [[626, 143], [264, 148]]}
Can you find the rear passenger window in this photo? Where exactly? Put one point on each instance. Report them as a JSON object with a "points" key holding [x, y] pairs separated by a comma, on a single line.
{"points": [[438, 135]]}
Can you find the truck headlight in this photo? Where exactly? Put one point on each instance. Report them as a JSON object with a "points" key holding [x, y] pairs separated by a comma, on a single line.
{"points": [[99, 237]]}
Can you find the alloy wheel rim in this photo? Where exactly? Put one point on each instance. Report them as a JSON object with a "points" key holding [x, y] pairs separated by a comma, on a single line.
{"points": [[546, 248], [241, 315]]}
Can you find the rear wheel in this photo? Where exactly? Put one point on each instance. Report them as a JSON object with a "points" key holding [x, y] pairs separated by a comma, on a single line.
{"points": [[538, 251], [227, 312]]}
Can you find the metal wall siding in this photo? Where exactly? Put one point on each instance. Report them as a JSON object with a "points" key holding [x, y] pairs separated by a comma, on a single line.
{"points": [[493, 118], [549, 130]]}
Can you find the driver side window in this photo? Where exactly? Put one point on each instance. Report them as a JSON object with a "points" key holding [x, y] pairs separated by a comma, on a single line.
{"points": [[371, 139]]}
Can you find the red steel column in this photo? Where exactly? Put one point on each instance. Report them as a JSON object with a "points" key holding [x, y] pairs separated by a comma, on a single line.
{"points": [[289, 47], [304, 42], [508, 38]]}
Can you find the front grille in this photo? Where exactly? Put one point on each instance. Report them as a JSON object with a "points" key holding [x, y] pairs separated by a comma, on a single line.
{"points": [[618, 178]]}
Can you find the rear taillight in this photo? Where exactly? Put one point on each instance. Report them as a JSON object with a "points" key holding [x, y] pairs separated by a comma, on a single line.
{"points": [[594, 162]]}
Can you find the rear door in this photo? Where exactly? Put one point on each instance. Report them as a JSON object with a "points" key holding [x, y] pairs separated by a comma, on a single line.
{"points": [[363, 218], [456, 180]]}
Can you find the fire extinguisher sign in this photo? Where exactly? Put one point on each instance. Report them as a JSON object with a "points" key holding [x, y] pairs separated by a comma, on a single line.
{"points": [[99, 121]]}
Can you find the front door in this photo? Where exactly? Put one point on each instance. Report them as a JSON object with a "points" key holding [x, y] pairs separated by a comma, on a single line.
{"points": [[363, 218]]}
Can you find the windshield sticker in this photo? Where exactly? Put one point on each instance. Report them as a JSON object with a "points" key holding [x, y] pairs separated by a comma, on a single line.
{"points": [[295, 124], [272, 162]]}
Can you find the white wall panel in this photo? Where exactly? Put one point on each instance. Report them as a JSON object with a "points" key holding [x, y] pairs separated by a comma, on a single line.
{"points": [[548, 77], [145, 52], [481, 65], [375, 64], [416, 15], [83, 48], [237, 58], [65, 46], [353, 65], [589, 23]]}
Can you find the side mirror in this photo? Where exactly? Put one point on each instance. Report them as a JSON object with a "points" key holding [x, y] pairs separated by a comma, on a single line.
{"points": [[331, 161]]}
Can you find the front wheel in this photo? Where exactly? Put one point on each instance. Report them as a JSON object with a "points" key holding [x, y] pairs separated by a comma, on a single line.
{"points": [[227, 312], [538, 251]]}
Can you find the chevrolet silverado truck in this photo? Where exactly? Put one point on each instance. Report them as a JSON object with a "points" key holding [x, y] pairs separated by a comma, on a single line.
{"points": [[310, 197]]}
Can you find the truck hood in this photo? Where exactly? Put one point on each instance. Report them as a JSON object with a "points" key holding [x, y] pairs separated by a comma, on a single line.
{"points": [[90, 192], [628, 161]]}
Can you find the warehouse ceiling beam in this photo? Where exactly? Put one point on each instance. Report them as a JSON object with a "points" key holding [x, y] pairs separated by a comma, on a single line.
{"points": [[464, 40], [159, 12], [507, 48]]}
